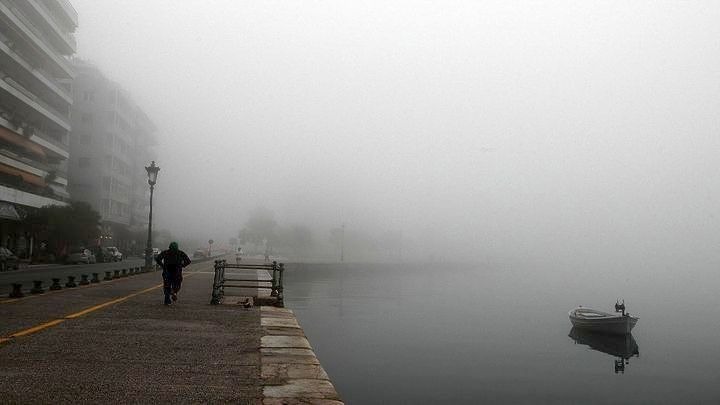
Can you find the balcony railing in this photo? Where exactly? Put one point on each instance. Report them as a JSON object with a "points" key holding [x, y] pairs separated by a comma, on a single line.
{"points": [[50, 17], [50, 112], [39, 74], [36, 36], [69, 10]]}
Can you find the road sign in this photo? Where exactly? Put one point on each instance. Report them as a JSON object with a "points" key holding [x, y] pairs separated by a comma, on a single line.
{"points": [[211, 241]]}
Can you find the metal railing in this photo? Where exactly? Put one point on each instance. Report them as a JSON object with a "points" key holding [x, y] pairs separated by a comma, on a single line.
{"points": [[221, 281]]}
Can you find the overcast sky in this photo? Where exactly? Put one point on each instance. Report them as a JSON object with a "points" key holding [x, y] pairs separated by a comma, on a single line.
{"points": [[587, 130]]}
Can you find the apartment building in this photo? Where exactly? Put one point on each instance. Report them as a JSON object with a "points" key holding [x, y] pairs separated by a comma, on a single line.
{"points": [[36, 41], [111, 143]]}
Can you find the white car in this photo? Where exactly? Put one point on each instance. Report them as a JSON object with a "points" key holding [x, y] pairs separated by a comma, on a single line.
{"points": [[117, 256]]}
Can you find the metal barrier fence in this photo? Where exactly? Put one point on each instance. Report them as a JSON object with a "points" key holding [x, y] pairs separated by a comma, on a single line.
{"points": [[221, 281]]}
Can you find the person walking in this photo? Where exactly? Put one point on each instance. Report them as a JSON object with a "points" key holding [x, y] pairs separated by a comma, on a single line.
{"points": [[172, 262]]}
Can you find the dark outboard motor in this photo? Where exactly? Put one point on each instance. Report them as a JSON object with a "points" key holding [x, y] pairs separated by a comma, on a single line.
{"points": [[620, 307]]}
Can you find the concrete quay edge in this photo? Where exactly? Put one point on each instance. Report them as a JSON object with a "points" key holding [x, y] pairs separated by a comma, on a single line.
{"points": [[290, 372]]}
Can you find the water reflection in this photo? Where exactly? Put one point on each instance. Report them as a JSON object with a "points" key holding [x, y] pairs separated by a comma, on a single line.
{"points": [[622, 347]]}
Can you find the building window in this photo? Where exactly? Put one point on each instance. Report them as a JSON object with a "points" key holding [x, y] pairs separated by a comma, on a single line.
{"points": [[86, 118], [84, 162], [88, 96]]}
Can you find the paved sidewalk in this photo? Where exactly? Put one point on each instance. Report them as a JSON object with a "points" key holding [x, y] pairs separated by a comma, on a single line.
{"points": [[135, 350]]}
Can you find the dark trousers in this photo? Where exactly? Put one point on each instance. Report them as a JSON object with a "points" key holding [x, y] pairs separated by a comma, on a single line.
{"points": [[172, 281]]}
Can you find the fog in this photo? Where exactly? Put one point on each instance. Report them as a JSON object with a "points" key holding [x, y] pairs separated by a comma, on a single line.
{"points": [[575, 132]]}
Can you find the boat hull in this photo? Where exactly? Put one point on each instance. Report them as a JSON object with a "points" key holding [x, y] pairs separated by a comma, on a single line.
{"points": [[609, 324]]}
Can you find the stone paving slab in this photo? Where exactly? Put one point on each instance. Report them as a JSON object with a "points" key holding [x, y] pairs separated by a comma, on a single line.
{"points": [[302, 389], [300, 401], [269, 341], [290, 371], [287, 371]]}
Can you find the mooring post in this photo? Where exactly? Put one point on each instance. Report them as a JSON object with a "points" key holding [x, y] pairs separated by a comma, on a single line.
{"points": [[108, 276], [274, 282], [84, 279], [280, 295], [116, 274], [71, 282], [215, 299], [96, 278], [55, 284], [37, 287], [16, 291], [124, 273]]}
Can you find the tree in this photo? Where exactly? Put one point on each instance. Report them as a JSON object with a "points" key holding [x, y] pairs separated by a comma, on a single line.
{"points": [[259, 228], [77, 222]]}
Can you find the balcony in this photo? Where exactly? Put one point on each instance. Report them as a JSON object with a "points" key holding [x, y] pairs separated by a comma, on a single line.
{"points": [[65, 11], [58, 149], [62, 40], [31, 106], [19, 67], [26, 32]]}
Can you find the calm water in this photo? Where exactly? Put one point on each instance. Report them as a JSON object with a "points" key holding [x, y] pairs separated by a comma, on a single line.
{"points": [[405, 334]]}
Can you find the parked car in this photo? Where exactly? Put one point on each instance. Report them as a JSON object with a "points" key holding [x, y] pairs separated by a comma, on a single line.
{"points": [[102, 255], [117, 256], [8, 260], [156, 252], [80, 255], [200, 254]]}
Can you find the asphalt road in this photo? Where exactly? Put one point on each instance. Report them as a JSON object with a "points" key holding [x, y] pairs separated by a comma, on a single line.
{"points": [[47, 272]]}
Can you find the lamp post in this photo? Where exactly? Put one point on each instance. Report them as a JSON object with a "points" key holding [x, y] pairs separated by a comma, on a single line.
{"points": [[152, 172]]}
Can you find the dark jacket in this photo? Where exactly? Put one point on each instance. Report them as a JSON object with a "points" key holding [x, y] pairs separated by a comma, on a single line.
{"points": [[172, 260]]}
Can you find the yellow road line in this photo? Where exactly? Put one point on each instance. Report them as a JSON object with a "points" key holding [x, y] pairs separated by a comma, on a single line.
{"points": [[37, 328], [55, 322], [105, 304]]}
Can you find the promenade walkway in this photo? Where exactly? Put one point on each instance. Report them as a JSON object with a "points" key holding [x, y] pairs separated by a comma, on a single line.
{"points": [[115, 342]]}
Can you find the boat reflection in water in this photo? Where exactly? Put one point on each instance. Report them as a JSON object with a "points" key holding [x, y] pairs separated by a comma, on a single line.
{"points": [[622, 347]]}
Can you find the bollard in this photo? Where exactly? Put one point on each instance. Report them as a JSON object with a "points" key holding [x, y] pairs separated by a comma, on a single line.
{"points": [[95, 278], [16, 291], [116, 274], [71, 282], [280, 295], [37, 287], [84, 279], [124, 273], [274, 289], [108, 276], [56, 284]]}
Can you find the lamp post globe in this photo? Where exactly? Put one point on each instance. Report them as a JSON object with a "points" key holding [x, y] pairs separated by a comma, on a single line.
{"points": [[152, 172]]}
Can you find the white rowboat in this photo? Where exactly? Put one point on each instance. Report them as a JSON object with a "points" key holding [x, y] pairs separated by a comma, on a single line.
{"points": [[602, 322]]}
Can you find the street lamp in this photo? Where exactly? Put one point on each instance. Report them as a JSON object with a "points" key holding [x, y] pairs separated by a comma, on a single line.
{"points": [[152, 172]]}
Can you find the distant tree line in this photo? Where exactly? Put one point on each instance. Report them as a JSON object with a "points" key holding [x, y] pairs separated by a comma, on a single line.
{"points": [[262, 233]]}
